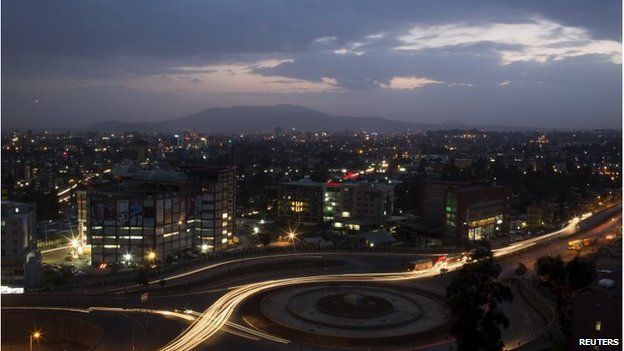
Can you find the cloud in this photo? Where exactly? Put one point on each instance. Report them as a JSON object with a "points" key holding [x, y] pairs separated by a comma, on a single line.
{"points": [[537, 40], [505, 82], [231, 78], [375, 36], [412, 82], [325, 40], [356, 48], [352, 49], [272, 63]]}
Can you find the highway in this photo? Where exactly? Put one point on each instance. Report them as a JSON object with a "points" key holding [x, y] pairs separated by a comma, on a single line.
{"points": [[213, 318], [203, 326]]}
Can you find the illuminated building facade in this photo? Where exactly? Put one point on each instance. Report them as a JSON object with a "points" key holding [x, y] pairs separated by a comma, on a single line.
{"points": [[301, 201], [476, 212], [158, 214], [349, 206], [20, 258], [363, 205]]}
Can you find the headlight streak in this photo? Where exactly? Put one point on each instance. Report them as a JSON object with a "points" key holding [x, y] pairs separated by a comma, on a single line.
{"points": [[217, 315]]}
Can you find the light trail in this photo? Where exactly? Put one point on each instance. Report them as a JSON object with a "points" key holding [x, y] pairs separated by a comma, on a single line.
{"points": [[216, 316], [188, 316], [56, 249]]}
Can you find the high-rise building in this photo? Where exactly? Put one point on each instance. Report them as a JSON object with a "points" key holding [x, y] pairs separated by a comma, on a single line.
{"points": [[20, 259], [155, 215], [215, 221]]}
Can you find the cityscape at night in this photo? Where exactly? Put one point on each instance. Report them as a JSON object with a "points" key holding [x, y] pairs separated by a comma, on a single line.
{"points": [[311, 175]]}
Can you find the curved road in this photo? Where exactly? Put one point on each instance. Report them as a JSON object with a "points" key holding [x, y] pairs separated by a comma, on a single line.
{"points": [[216, 317]]}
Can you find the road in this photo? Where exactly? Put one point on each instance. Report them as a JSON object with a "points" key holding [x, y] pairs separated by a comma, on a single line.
{"points": [[206, 325], [213, 318]]}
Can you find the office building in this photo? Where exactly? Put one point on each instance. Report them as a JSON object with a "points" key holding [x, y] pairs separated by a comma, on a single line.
{"points": [[20, 259], [476, 212], [466, 212], [301, 201], [348, 205], [155, 215]]}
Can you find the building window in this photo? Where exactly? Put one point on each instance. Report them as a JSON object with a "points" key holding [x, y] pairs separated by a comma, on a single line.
{"points": [[598, 326]]}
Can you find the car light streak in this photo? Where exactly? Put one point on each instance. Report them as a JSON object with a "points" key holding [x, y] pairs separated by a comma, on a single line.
{"points": [[216, 316]]}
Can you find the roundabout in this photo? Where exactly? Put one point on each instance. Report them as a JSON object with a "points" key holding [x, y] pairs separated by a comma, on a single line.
{"points": [[343, 314]]}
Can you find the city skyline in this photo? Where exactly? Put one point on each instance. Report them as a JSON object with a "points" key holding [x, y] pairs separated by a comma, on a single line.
{"points": [[539, 65]]}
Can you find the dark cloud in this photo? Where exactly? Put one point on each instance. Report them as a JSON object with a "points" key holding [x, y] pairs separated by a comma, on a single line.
{"points": [[91, 59]]}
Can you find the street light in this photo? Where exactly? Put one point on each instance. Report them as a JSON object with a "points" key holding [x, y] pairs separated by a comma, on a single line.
{"points": [[127, 257], [151, 256], [34, 336], [291, 236], [204, 248]]}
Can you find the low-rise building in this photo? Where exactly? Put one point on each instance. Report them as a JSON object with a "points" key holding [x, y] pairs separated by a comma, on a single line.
{"points": [[349, 206], [301, 201], [476, 212], [540, 215], [467, 212], [596, 313]]}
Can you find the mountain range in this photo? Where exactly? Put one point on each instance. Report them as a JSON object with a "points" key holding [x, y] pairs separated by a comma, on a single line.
{"points": [[251, 119]]}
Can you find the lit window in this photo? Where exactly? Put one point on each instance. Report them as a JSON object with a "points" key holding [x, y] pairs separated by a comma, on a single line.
{"points": [[598, 326]]}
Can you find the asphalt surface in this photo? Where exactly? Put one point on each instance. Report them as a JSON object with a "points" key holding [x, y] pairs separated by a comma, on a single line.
{"points": [[148, 332]]}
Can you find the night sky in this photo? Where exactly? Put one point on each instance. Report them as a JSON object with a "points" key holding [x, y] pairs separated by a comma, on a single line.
{"points": [[551, 64]]}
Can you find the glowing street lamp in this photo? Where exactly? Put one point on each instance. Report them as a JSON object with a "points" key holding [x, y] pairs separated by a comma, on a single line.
{"points": [[151, 256], [36, 335], [127, 257], [292, 236], [204, 248]]}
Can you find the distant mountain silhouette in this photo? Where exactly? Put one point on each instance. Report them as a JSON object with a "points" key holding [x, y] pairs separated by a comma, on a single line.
{"points": [[250, 119]]}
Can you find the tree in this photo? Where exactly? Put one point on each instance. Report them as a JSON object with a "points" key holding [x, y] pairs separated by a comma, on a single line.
{"points": [[580, 272], [563, 279], [474, 296], [521, 270], [550, 269]]}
